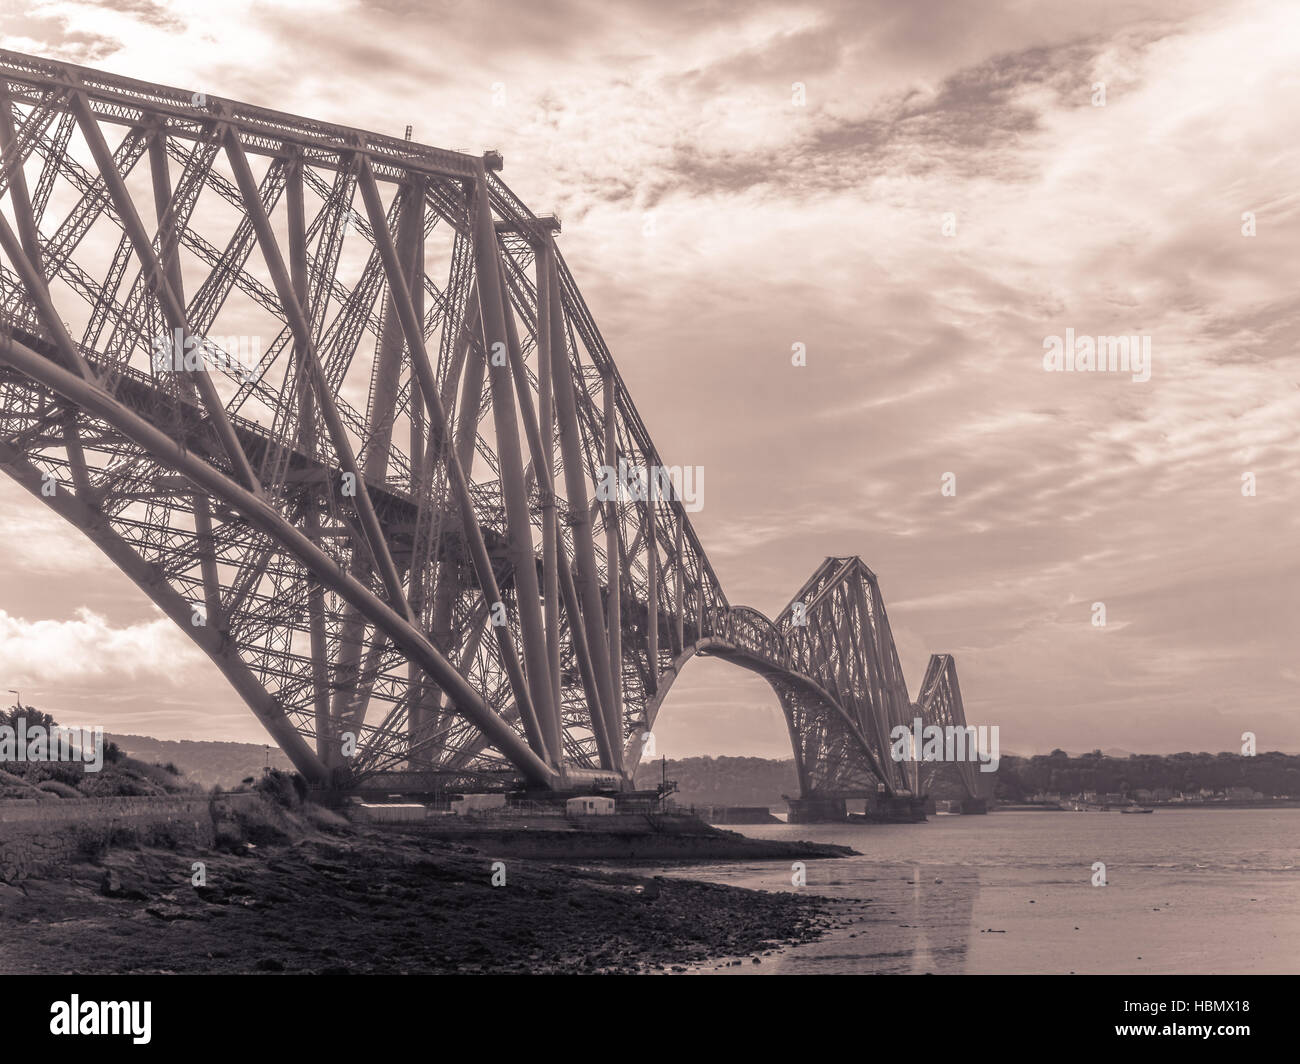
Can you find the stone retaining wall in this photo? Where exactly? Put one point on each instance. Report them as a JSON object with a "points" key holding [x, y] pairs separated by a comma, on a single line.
{"points": [[42, 838]]}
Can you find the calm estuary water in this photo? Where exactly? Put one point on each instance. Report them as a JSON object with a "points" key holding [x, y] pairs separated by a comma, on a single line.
{"points": [[1188, 891]]}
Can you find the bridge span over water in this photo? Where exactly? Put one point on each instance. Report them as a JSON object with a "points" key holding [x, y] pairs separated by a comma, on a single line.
{"points": [[380, 518]]}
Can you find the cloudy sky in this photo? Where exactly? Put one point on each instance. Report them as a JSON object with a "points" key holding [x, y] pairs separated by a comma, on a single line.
{"points": [[921, 194]]}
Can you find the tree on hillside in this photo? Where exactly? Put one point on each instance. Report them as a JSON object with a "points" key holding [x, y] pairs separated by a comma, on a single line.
{"points": [[31, 714], [35, 718]]}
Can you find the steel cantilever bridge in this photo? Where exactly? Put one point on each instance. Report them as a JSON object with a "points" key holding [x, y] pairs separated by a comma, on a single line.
{"points": [[381, 525]]}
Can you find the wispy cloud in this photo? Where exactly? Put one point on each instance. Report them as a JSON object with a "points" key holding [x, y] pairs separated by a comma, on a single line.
{"points": [[821, 222]]}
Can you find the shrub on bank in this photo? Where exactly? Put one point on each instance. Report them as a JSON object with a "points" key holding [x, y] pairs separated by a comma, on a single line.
{"points": [[285, 789], [61, 789]]}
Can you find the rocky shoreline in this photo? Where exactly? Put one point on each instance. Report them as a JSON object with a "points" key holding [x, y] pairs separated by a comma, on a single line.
{"points": [[352, 899], [640, 839]]}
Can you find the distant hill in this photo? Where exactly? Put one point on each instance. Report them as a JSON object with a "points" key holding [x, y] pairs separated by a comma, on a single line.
{"points": [[209, 764], [763, 781], [1113, 751], [1270, 773]]}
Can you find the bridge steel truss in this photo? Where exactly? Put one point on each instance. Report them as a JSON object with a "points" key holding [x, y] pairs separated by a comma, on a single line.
{"points": [[381, 524]]}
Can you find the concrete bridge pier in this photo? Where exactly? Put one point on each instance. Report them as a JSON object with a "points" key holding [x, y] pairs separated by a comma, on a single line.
{"points": [[816, 810], [896, 809], [974, 806]]}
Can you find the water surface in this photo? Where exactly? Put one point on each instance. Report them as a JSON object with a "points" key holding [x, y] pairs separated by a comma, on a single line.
{"points": [[1187, 891]]}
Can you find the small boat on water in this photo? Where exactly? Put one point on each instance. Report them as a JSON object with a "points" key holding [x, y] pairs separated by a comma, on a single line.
{"points": [[1137, 809]]}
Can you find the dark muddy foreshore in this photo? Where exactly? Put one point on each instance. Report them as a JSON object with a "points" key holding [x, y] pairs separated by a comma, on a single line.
{"points": [[372, 900]]}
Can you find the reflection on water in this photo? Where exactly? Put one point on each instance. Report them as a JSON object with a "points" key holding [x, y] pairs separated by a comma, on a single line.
{"points": [[941, 913], [1186, 891]]}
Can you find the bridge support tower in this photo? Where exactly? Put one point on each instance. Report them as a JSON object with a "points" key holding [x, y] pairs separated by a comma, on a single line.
{"points": [[817, 810]]}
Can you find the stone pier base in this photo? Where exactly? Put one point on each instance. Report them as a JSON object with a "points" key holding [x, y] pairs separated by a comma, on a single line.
{"points": [[816, 810]]}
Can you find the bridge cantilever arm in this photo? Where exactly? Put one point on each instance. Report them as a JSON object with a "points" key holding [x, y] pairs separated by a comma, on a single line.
{"points": [[173, 311], [81, 513], [39, 292], [266, 519], [22, 202], [371, 528]]}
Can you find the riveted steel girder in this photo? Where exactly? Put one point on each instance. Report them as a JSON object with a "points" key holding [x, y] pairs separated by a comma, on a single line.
{"points": [[339, 395]]}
